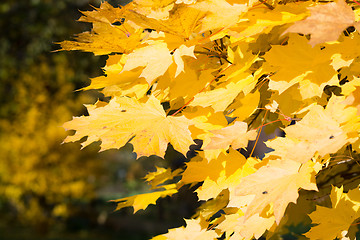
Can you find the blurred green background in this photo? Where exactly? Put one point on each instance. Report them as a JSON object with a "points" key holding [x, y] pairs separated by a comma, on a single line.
{"points": [[50, 190]]}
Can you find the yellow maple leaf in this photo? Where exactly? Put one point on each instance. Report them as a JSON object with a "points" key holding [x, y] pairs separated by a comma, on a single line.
{"points": [[199, 168], [160, 176], [153, 54], [262, 20], [220, 98], [215, 17], [106, 13], [154, 3], [185, 1], [326, 22], [179, 52], [186, 84], [244, 105], [277, 183], [292, 94], [205, 120], [149, 57], [142, 201], [297, 62], [223, 172], [193, 230], [128, 83], [333, 221], [344, 46], [213, 206], [154, 9], [182, 21], [238, 72], [352, 90], [145, 125], [235, 167], [105, 37], [236, 136], [236, 227], [321, 130]]}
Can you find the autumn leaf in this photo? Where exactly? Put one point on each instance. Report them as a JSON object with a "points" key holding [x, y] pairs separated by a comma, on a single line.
{"points": [[182, 51], [236, 136], [142, 201], [105, 37], [234, 168], [236, 227], [205, 120], [223, 172], [243, 106], [150, 57], [199, 168], [326, 22], [154, 3], [352, 90], [213, 206], [291, 94], [153, 9], [103, 41], [220, 98], [160, 176], [193, 230], [261, 20], [214, 13], [128, 83], [277, 183], [344, 51], [296, 63], [105, 13], [145, 125], [344, 211], [185, 89], [321, 130], [182, 21]]}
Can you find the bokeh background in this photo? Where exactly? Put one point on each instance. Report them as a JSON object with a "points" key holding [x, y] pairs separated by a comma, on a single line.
{"points": [[50, 190]]}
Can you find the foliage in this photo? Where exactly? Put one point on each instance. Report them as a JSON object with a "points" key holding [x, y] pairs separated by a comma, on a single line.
{"points": [[30, 28], [218, 72], [37, 181], [37, 176]]}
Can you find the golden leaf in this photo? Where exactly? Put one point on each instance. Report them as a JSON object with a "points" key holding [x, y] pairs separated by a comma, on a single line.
{"points": [[142, 201], [333, 221], [145, 125], [277, 183]]}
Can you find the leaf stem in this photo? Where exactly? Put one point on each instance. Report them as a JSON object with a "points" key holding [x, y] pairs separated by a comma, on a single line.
{"points": [[266, 4], [356, 2], [277, 120]]}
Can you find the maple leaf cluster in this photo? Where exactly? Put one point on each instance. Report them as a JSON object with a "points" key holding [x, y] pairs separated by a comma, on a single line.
{"points": [[219, 71]]}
